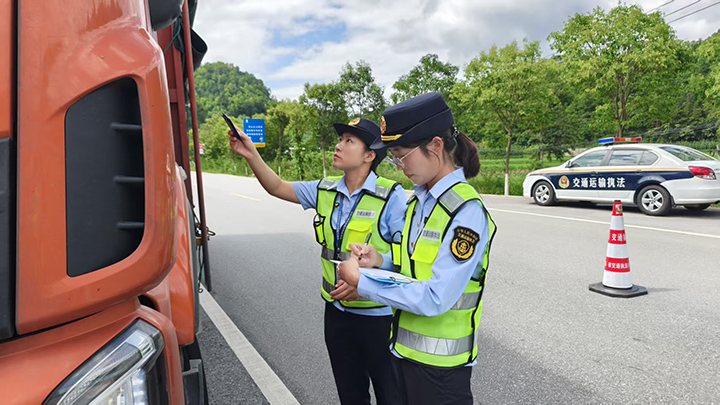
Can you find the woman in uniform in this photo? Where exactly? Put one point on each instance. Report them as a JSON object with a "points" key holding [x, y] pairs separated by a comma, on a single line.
{"points": [[445, 245], [353, 208]]}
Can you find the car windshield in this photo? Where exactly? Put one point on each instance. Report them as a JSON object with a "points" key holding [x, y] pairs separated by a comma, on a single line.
{"points": [[686, 154]]}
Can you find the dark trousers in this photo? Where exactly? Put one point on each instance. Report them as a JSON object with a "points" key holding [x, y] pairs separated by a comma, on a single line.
{"points": [[358, 349], [421, 385]]}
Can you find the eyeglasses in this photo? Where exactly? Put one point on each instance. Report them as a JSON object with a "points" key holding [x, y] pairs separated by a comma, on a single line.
{"points": [[397, 162]]}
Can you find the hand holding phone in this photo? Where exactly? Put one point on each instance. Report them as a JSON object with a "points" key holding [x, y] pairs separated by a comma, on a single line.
{"points": [[245, 149], [232, 127]]}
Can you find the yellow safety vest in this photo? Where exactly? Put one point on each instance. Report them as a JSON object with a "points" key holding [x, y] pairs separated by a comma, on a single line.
{"points": [[364, 219], [449, 339]]}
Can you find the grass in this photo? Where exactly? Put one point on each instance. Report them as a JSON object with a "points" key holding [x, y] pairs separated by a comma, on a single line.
{"points": [[490, 180]]}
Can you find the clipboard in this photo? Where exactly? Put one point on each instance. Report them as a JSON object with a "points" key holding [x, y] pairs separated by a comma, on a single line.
{"points": [[386, 276]]}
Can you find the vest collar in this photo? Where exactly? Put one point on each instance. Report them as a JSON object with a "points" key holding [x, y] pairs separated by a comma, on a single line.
{"points": [[369, 185]]}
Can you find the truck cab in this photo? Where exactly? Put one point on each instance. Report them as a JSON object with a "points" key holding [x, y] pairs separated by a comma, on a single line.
{"points": [[100, 250]]}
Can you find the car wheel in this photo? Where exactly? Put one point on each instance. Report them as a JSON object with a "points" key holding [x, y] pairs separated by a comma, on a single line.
{"points": [[696, 207], [543, 193], [654, 200]]}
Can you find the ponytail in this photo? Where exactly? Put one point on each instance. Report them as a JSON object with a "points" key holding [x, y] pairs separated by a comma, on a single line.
{"points": [[465, 154], [459, 147]]}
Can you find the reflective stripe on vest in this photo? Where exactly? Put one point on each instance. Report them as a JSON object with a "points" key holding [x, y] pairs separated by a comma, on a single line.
{"points": [[329, 254], [326, 183], [327, 286], [382, 192], [467, 301], [435, 346], [364, 219], [452, 200], [449, 339]]}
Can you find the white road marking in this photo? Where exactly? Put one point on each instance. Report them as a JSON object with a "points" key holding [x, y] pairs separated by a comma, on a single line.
{"points": [[246, 197], [265, 378], [648, 228]]}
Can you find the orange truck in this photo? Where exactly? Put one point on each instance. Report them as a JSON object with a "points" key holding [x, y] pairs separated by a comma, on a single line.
{"points": [[101, 257]]}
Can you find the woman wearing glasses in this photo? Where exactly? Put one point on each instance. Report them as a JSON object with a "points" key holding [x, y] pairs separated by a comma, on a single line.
{"points": [[354, 208], [445, 245]]}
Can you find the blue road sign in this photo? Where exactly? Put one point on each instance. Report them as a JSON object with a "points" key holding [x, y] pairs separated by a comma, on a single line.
{"points": [[255, 129]]}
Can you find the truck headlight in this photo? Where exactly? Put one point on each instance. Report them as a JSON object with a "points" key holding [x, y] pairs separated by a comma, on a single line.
{"points": [[125, 371]]}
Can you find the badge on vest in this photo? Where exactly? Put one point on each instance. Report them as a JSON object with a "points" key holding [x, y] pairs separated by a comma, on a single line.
{"points": [[430, 234], [365, 214], [464, 243]]}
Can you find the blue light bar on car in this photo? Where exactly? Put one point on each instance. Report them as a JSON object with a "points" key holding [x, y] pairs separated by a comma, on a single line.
{"points": [[610, 141]]}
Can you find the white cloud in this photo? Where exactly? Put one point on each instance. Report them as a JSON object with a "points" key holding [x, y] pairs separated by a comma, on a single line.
{"points": [[289, 92], [390, 35]]}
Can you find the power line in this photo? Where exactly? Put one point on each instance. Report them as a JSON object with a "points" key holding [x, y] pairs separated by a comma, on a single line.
{"points": [[683, 8], [660, 6], [681, 129], [694, 12]]}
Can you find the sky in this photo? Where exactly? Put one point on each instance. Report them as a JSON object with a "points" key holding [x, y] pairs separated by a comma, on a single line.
{"points": [[287, 43]]}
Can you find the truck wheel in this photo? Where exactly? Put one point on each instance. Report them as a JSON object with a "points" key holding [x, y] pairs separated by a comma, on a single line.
{"points": [[194, 380]]}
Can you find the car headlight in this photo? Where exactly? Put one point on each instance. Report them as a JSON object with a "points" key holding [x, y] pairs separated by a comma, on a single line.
{"points": [[125, 371]]}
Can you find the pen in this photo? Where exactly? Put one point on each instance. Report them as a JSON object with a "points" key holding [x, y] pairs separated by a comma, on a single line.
{"points": [[367, 239]]}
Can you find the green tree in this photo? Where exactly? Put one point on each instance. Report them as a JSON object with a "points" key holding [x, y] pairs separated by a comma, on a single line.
{"points": [[301, 132], [213, 133], [222, 87], [708, 59], [327, 106], [503, 86], [622, 56], [695, 104], [431, 74], [550, 121], [363, 97], [674, 103], [283, 117]]}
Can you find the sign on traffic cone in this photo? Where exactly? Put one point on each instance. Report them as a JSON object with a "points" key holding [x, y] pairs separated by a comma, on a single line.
{"points": [[616, 279]]}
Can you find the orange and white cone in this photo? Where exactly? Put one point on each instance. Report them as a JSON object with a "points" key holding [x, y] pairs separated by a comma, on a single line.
{"points": [[616, 279]]}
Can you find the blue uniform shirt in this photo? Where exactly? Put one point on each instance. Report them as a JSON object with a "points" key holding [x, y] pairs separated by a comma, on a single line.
{"points": [[391, 221], [450, 277]]}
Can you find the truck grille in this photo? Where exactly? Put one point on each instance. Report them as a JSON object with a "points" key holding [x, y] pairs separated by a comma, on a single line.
{"points": [[105, 183]]}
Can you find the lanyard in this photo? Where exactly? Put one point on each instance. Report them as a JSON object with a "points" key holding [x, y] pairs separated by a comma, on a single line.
{"points": [[340, 233], [421, 227]]}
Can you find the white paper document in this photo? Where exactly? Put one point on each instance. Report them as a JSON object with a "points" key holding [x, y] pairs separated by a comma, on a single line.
{"points": [[387, 276], [383, 275]]}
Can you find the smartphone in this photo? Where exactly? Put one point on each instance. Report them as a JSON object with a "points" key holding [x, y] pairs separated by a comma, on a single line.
{"points": [[232, 127]]}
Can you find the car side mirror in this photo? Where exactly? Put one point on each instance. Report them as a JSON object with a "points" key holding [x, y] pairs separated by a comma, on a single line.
{"points": [[569, 164]]}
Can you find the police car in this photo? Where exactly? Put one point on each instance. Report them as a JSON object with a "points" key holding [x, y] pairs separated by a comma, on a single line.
{"points": [[654, 177]]}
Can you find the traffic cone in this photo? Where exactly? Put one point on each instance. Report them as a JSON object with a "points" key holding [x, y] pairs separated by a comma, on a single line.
{"points": [[616, 279]]}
